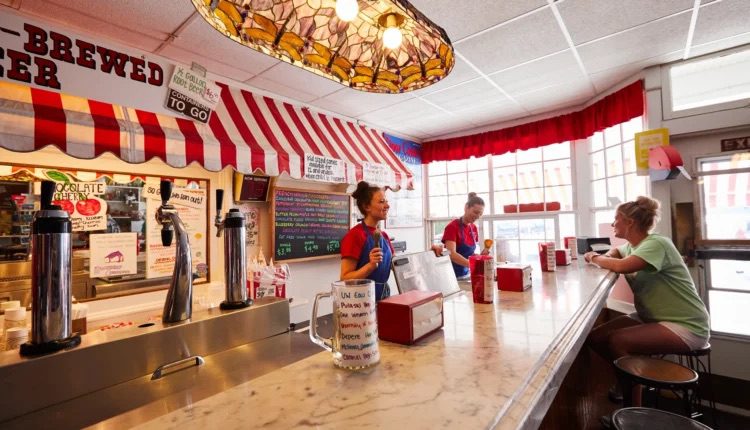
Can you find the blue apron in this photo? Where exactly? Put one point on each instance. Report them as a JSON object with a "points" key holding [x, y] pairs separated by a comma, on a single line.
{"points": [[464, 249], [383, 272]]}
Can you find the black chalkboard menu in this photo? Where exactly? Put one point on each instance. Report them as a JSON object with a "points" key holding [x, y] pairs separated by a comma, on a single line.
{"points": [[308, 224]]}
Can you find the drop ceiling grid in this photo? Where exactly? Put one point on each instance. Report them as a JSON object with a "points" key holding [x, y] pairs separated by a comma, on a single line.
{"points": [[298, 79], [721, 20]]}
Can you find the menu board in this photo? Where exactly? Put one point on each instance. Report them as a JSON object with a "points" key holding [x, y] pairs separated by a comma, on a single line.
{"points": [[308, 224]]}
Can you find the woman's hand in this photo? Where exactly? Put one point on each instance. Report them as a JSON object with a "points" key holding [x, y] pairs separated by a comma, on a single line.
{"points": [[376, 256], [589, 256]]}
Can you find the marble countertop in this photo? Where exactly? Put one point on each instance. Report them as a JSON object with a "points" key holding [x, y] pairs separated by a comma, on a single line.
{"points": [[496, 365]]}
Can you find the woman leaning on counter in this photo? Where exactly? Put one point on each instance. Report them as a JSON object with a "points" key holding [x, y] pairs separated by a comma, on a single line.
{"points": [[461, 235], [360, 257], [670, 317]]}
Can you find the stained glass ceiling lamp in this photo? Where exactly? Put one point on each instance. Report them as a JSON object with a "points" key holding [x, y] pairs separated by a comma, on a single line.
{"points": [[381, 46]]}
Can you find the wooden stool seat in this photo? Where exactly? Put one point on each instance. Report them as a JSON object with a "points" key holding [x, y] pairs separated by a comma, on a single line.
{"points": [[698, 352], [646, 418], [656, 372]]}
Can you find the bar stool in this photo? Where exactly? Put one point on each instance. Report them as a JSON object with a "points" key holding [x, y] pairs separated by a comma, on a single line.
{"points": [[647, 418], [694, 360], [656, 373]]}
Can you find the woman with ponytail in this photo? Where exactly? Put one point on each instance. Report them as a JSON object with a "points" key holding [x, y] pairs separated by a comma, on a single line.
{"points": [[461, 236]]}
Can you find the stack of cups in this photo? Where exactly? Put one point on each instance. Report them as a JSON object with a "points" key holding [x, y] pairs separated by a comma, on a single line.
{"points": [[16, 336], [14, 318]]}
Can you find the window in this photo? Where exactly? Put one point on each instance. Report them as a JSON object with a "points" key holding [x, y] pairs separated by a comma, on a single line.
{"points": [[724, 189], [707, 84], [528, 195], [613, 169]]}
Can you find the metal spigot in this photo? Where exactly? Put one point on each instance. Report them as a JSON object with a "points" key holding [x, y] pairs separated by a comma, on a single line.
{"points": [[179, 303], [235, 275]]}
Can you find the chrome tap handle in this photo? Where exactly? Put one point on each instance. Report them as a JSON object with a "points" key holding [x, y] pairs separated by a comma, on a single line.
{"points": [[48, 190], [165, 189]]}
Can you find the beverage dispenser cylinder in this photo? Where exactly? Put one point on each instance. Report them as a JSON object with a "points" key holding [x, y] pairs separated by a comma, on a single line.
{"points": [[51, 248], [235, 255]]}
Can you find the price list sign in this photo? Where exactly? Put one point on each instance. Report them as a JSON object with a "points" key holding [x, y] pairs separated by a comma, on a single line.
{"points": [[308, 224]]}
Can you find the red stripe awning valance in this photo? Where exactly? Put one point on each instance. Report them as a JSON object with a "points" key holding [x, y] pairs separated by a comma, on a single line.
{"points": [[252, 133]]}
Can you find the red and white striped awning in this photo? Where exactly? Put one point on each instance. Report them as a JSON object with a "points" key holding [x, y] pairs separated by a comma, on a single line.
{"points": [[252, 133]]}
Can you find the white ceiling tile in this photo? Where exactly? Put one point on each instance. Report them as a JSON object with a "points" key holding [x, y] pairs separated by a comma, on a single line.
{"points": [[553, 70], [719, 45], [490, 113], [636, 45], [296, 78], [403, 113], [213, 66], [354, 103], [530, 37], [561, 95], [461, 73], [720, 20], [591, 19], [461, 18], [145, 29], [280, 89], [606, 79], [475, 92], [205, 42]]}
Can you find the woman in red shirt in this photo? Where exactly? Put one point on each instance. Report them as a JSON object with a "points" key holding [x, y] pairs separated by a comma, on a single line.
{"points": [[366, 251], [461, 236]]}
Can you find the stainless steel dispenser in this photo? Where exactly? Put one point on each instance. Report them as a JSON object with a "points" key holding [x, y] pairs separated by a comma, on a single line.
{"points": [[179, 303], [51, 251], [235, 274]]}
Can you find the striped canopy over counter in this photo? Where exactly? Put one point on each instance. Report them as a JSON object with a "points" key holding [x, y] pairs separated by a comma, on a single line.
{"points": [[253, 134]]}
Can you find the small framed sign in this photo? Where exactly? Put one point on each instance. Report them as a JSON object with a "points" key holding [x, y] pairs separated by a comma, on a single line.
{"points": [[251, 188], [735, 144]]}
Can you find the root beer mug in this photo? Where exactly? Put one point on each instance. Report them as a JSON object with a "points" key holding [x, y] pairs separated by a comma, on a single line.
{"points": [[355, 327]]}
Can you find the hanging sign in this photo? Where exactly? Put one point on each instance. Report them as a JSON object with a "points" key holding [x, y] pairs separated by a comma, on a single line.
{"points": [[113, 254], [735, 144], [646, 140], [192, 94], [182, 196], [324, 169], [378, 174], [406, 205], [87, 212]]}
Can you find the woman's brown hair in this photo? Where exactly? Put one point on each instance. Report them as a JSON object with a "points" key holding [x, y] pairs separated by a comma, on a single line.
{"points": [[363, 195], [644, 211], [474, 199]]}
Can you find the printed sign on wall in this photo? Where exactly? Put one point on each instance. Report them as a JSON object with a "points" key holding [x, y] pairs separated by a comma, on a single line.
{"points": [[646, 140], [87, 212], [192, 94], [113, 254], [320, 168], [406, 205], [378, 174]]}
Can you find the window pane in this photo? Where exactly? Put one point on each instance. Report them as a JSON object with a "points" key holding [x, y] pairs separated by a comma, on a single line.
{"points": [[479, 182], [556, 151], [438, 227], [457, 184], [456, 205], [600, 193], [567, 225], [503, 198], [557, 172], [603, 217], [563, 194], [616, 189], [486, 199], [614, 161], [529, 251], [508, 249], [549, 230], [505, 229], [456, 166], [711, 81], [597, 141], [531, 195], [726, 204], [630, 128], [529, 156], [598, 167], [438, 186], [438, 206], [612, 135], [729, 312], [508, 159], [531, 229], [628, 156], [505, 178], [636, 186], [734, 161], [477, 163], [530, 175], [732, 274], [436, 168]]}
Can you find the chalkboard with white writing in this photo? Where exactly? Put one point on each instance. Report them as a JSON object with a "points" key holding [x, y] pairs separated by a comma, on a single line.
{"points": [[308, 224]]}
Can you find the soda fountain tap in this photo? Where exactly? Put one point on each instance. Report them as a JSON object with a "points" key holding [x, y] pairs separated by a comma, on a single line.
{"points": [[179, 303], [235, 275], [51, 246]]}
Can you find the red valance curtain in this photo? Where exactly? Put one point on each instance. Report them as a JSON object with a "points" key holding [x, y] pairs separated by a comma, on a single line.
{"points": [[614, 109]]}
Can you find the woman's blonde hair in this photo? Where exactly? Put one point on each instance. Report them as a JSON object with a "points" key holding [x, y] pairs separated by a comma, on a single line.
{"points": [[644, 211]]}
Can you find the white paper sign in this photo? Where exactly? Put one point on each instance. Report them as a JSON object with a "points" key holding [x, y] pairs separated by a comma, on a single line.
{"points": [[195, 86], [319, 168], [113, 254], [180, 196], [87, 212], [378, 174]]}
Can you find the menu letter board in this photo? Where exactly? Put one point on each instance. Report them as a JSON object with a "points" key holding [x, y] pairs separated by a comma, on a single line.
{"points": [[308, 224]]}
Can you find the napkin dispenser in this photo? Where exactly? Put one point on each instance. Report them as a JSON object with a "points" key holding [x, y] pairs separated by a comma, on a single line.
{"points": [[513, 277], [408, 317]]}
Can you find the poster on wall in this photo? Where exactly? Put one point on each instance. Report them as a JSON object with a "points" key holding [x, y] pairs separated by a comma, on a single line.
{"points": [[325, 169], [113, 254], [406, 205], [191, 206], [252, 224], [378, 174], [644, 141], [80, 200]]}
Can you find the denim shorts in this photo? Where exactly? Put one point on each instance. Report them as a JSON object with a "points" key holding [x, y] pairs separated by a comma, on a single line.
{"points": [[692, 340]]}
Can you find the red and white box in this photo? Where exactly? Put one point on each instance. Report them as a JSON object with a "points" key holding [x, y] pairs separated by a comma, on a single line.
{"points": [[562, 257], [571, 243], [547, 257], [513, 277], [410, 316]]}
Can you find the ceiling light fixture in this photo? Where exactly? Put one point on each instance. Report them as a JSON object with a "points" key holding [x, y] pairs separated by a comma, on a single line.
{"points": [[388, 46], [347, 10]]}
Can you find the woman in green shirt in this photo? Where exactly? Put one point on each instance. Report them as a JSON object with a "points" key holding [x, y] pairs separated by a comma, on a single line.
{"points": [[670, 316]]}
